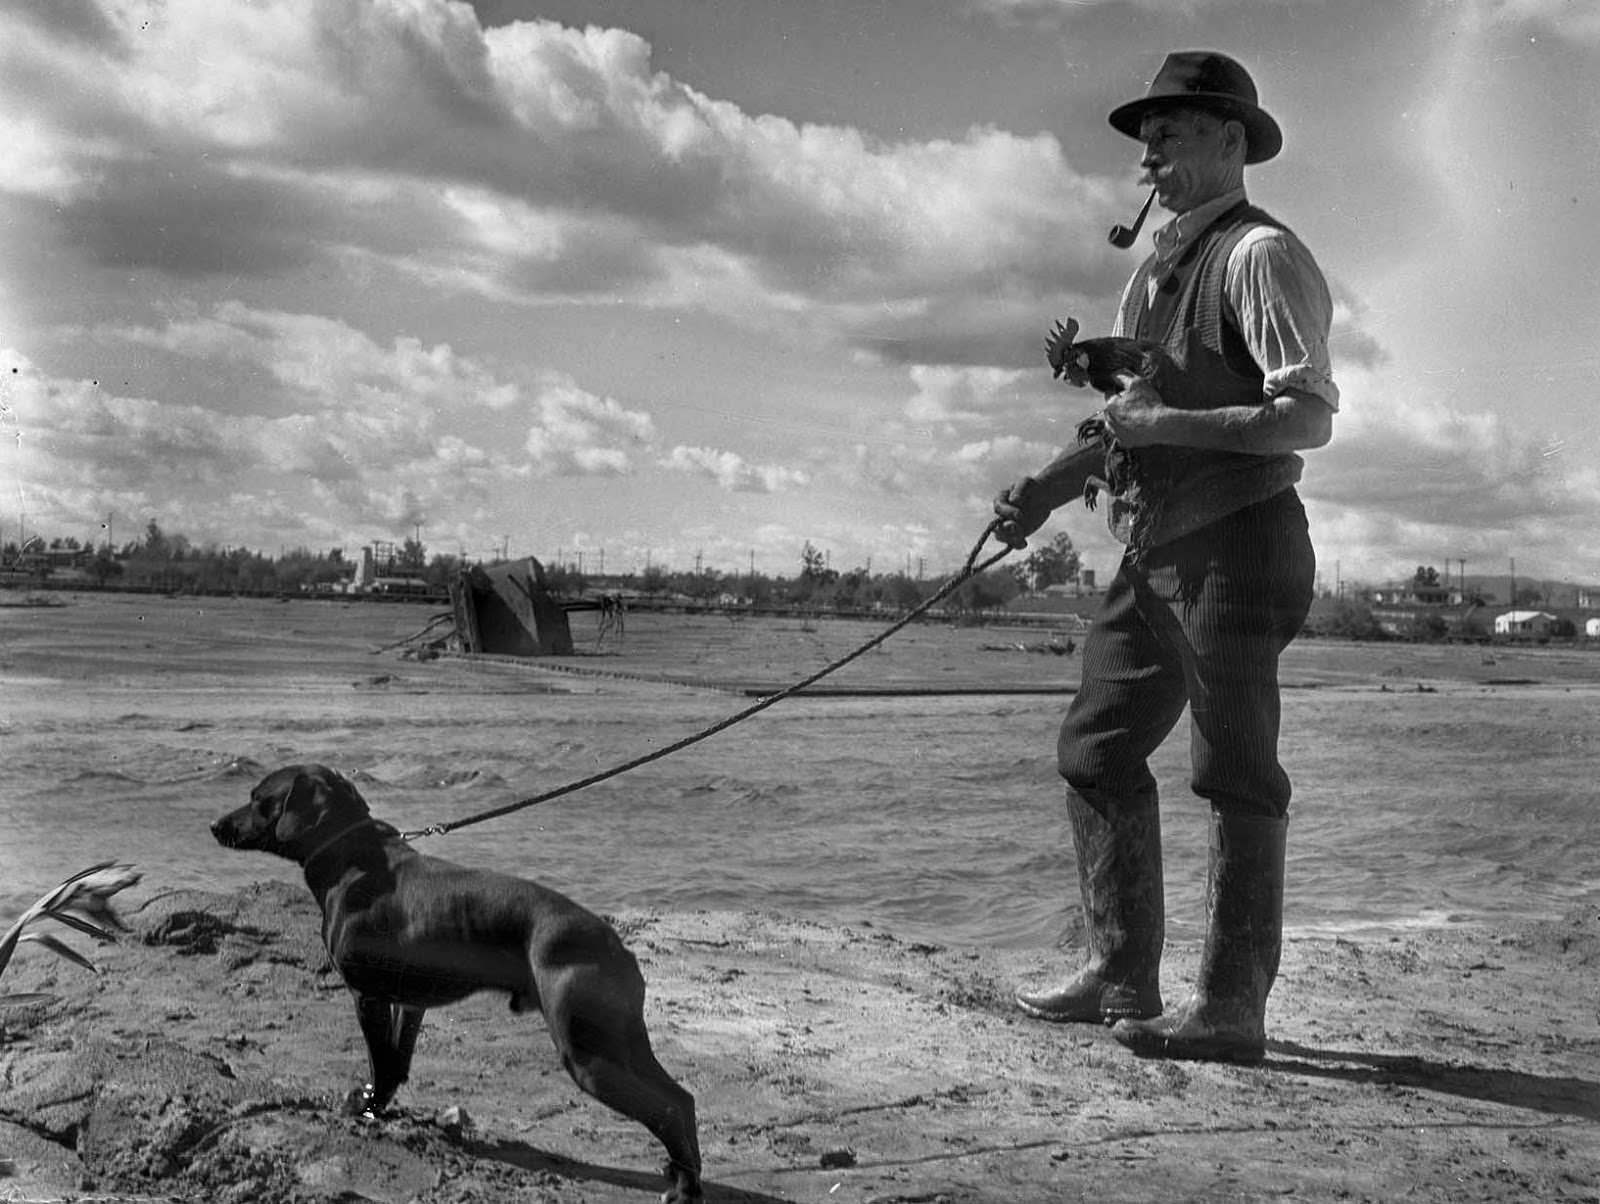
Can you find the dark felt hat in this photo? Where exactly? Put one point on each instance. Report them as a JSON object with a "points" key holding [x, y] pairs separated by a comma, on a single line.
{"points": [[1204, 79]]}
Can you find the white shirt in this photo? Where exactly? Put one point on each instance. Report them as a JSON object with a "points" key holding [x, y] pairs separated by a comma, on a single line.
{"points": [[1278, 295]]}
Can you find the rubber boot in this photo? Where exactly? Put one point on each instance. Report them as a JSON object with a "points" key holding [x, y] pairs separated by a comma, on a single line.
{"points": [[1118, 841], [1224, 1020]]}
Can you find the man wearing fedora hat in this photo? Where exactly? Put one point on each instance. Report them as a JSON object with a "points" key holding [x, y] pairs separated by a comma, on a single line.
{"points": [[1216, 578]]}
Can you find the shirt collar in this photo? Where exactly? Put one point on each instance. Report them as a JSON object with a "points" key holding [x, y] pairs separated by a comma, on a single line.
{"points": [[1174, 238]]}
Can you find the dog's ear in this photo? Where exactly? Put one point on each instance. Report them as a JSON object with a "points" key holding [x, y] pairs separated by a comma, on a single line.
{"points": [[300, 807], [341, 796]]}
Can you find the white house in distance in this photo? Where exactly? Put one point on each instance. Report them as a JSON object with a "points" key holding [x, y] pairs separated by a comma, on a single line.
{"points": [[1524, 622], [1592, 629]]}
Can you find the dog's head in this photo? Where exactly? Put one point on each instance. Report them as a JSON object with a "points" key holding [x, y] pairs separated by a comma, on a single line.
{"points": [[292, 811]]}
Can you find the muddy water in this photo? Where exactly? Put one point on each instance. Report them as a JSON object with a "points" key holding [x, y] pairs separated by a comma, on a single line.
{"points": [[1428, 792]]}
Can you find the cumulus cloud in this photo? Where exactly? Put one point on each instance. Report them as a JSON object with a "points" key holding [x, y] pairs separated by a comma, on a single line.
{"points": [[365, 430], [732, 472], [1418, 481], [576, 433], [528, 160], [326, 362], [951, 396]]}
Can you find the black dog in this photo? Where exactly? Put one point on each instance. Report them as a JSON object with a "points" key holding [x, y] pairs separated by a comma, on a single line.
{"points": [[410, 932]]}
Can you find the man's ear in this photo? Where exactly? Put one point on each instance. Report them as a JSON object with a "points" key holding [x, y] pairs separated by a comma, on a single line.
{"points": [[1235, 139]]}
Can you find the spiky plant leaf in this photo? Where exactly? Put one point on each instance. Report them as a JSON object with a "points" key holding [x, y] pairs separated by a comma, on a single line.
{"points": [[56, 945], [73, 919], [82, 902]]}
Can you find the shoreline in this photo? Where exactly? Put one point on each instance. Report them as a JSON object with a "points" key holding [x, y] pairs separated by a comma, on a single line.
{"points": [[830, 1062]]}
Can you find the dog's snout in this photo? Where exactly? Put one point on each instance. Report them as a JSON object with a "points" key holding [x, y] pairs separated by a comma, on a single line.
{"points": [[225, 832]]}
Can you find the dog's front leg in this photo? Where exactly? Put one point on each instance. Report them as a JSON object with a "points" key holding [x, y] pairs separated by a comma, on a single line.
{"points": [[391, 1032]]}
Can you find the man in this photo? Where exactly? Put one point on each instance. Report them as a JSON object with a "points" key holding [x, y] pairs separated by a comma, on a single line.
{"points": [[1216, 580]]}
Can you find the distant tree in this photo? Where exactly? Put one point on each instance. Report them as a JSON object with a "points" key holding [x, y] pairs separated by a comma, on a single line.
{"points": [[413, 556], [155, 543], [852, 590], [903, 592], [1426, 575], [104, 569], [440, 572], [701, 586], [1429, 627], [653, 580], [814, 565], [1056, 563], [565, 580], [1351, 620], [986, 591]]}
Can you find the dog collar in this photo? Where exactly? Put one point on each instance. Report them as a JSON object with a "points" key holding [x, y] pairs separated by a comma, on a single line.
{"points": [[335, 838]]}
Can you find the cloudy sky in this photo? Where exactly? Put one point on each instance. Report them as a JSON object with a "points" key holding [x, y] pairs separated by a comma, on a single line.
{"points": [[697, 281]]}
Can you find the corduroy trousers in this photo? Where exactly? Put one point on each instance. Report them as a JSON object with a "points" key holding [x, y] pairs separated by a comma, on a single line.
{"points": [[1199, 622]]}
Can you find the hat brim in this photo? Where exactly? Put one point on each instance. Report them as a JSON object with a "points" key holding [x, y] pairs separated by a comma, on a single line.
{"points": [[1263, 137]]}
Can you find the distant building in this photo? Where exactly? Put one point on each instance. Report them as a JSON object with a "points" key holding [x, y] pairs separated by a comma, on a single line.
{"points": [[380, 572], [1524, 622], [1592, 629], [1415, 593]]}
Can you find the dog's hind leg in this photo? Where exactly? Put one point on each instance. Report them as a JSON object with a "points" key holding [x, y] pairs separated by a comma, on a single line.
{"points": [[640, 1089], [606, 1049], [391, 1032]]}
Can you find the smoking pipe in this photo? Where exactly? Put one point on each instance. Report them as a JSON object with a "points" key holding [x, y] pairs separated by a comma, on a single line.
{"points": [[1122, 237]]}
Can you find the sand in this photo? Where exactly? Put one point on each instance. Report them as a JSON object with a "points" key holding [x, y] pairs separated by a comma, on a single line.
{"points": [[207, 1060], [831, 1062]]}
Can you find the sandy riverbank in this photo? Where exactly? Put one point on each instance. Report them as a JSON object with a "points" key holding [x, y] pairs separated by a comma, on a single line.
{"points": [[830, 1063]]}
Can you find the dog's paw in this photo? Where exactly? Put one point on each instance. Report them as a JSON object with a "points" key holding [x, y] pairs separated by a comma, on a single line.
{"points": [[686, 1187], [363, 1102]]}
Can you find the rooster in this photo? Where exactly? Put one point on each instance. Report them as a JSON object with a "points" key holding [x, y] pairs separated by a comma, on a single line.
{"points": [[1100, 363]]}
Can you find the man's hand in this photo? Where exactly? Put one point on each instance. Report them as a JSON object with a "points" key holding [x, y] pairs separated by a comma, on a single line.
{"points": [[1022, 511], [1137, 416]]}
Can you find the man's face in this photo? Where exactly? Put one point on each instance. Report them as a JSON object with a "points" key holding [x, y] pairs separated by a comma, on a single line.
{"points": [[1190, 157]]}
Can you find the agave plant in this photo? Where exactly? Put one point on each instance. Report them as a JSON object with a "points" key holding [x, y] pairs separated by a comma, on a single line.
{"points": [[82, 902]]}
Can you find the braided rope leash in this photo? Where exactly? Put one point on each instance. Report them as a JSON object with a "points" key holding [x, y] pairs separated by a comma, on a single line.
{"points": [[971, 569]]}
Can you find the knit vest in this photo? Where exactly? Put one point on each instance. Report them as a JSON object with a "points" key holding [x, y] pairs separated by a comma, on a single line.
{"points": [[1167, 491]]}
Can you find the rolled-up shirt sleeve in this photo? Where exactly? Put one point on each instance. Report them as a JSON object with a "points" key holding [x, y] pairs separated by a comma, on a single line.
{"points": [[1284, 311]]}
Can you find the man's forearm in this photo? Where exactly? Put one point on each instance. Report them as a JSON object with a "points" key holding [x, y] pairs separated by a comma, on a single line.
{"points": [[1064, 478], [1289, 422]]}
